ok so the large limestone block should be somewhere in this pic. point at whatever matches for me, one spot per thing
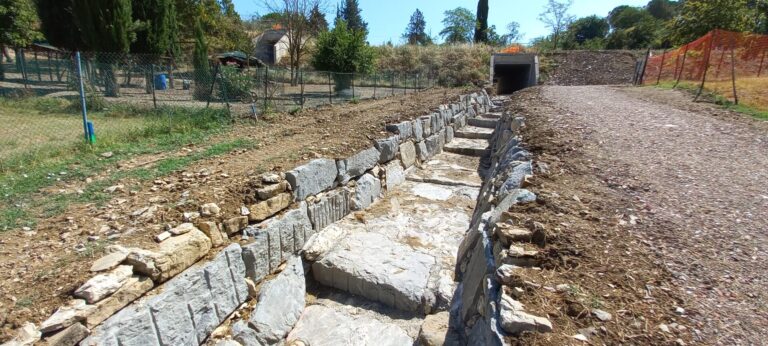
(281, 302)
(266, 209)
(132, 326)
(367, 190)
(102, 285)
(256, 255)
(395, 174)
(356, 165)
(132, 289)
(179, 253)
(404, 130)
(323, 326)
(421, 151)
(332, 207)
(315, 177)
(418, 130)
(388, 148)
(408, 154)
(516, 321)
(372, 266)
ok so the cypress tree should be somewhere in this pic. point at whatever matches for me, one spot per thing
(481, 30)
(58, 25)
(317, 21)
(155, 33)
(200, 62)
(350, 12)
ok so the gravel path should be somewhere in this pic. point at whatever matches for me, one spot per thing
(702, 180)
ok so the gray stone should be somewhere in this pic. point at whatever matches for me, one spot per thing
(132, 289)
(171, 315)
(418, 130)
(449, 134)
(404, 130)
(433, 145)
(281, 302)
(102, 285)
(372, 266)
(367, 190)
(436, 121)
(408, 154)
(109, 261)
(426, 125)
(434, 329)
(515, 321)
(395, 174)
(320, 325)
(270, 191)
(356, 165)
(243, 334)
(226, 280)
(515, 178)
(70, 336)
(132, 326)
(314, 177)
(421, 151)
(388, 148)
(330, 208)
(66, 316)
(473, 280)
(256, 255)
(602, 315)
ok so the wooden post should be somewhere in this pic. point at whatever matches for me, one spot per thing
(706, 69)
(392, 84)
(641, 78)
(762, 60)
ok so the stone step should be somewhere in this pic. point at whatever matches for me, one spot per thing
(479, 122)
(325, 326)
(468, 147)
(491, 115)
(473, 132)
(372, 266)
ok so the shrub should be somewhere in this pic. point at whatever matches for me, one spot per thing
(236, 84)
(450, 65)
(343, 50)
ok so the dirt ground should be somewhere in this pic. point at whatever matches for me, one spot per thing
(588, 68)
(39, 269)
(657, 211)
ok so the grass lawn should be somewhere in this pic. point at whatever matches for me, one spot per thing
(42, 143)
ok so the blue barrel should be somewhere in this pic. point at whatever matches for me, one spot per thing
(161, 82)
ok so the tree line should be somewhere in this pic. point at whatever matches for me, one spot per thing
(658, 24)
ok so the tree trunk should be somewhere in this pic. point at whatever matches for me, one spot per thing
(111, 86)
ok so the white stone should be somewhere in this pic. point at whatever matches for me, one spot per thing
(209, 209)
(102, 285)
(320, 325)
(65, 316)
(395, 174)
(432, 192)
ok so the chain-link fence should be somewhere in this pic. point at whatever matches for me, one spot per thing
(128, 92)
(732, 65)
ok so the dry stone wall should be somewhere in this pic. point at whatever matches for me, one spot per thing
(173, 296)
(490, 254)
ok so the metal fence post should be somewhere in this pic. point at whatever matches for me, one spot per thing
(353, 85)
(83, 105)
(375, 82)
(301, 77)
(330, 89)
(661, 67)
(154, 97)
(266, 87)
(22, 63)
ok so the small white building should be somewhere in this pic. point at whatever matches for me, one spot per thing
(271, 46)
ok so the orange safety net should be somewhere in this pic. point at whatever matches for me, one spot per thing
(733, 65)
(513, 49)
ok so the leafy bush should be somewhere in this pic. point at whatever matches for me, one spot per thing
(236, 84)
(343, 50)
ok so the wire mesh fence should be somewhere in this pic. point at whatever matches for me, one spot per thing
(129, 92)
(732, 65)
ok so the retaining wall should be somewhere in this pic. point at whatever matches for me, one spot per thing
(480, 311)
(175, 298)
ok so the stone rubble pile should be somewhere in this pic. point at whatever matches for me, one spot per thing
(165, 297)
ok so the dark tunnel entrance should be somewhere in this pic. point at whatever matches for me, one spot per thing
(512, 78)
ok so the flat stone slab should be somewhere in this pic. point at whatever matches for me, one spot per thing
(469, 147)
(449, 169)
(480, 122)
(473, 132)
(323, 326)
(373, 266)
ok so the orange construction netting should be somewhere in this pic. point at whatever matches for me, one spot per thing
(733, 65)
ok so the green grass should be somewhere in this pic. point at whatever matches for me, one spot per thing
(133, 132)
(717, 99)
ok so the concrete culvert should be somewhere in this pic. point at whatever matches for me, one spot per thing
(513, 72)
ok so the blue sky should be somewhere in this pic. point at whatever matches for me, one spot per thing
(387, 19)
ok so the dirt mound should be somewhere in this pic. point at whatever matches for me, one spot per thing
(587, 68)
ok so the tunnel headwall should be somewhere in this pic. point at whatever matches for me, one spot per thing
(513, 72)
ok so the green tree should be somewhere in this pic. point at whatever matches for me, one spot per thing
(317, 21)
(513, 33)
(225, 30)
(351, 13)
(203, 78)
(588, 28)
(343, 50)
(459, 26)
(662, 9)
(481, 29)
(415, 33)
(556, 17)
(17, 25)
(698, 17)
(155, 33)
